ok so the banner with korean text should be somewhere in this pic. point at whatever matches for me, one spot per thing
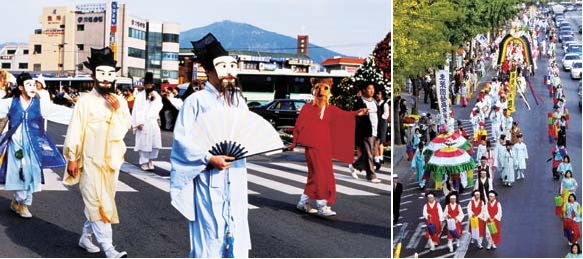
(512, 94)
(442, 80)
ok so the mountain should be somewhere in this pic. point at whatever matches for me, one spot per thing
(242, 36)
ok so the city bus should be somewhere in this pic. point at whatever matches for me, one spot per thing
(263, 87)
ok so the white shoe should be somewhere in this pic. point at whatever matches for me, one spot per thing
(112, 253)
(494, 246)
(145, 167)
(86, 243)
(326, 211)
(24, 212)
(376, 180)
(523, 176)
(306, 207)
(353, 171)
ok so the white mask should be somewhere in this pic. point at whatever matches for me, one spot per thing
(226, 67)
(105, 74)
(30, 87)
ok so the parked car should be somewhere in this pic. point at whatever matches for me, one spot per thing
(568, 61)
(567, 43)
(565, 34)
(576, 69)
(280, 112)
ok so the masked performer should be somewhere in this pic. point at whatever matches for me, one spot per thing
(327, 132)
(94, 148)
(208, 190)
(145, 114)
(26, 148)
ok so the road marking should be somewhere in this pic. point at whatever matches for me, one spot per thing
(405, 209)
(163, 164)
(277, 186)
(302, 179)
(416, 238)
(345, 169)
(380, 186)
(54, 182)
(408, 195)
(405, 202)
(158, 181)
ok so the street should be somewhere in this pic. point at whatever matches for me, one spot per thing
(151, 227)
(529, 226)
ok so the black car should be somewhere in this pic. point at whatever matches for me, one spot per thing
(280, 112)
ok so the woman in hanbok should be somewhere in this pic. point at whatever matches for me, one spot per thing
(455, 215)
(418, 163)
(493, 214)
(565, 166)
(568, 186)
(571, 219)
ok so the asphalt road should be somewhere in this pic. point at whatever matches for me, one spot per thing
(529, 226)
(151, 227)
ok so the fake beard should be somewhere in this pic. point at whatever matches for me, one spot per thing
(230, 91)
(104, 88)
(148, 91)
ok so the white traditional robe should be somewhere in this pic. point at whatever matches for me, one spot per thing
(508, 163)
(95, 139)
(521, 155)
(146, 112)
(200, 193)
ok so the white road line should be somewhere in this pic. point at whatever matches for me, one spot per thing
(345, 169)
(274, 185)
(156, 180)
(302, 179)
(416, 238)
(408, 195)
(163, 164)
(54, 182)
(380, 186)
(405, 202)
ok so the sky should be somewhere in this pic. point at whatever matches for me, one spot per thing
(347, 26)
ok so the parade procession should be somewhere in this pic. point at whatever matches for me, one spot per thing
(225, 129)
(492, 141)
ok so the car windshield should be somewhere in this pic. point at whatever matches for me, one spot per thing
(577, 65)
(299, 105)
(572, 57)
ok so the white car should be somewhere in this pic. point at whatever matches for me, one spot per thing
(576, 69)
(568, 61)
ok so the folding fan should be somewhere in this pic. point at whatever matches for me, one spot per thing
(236, 133)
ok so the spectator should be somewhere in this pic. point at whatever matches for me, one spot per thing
(367, 131)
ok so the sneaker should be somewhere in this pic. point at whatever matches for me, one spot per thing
(86, 243)
(493, 246)
(24, 212)
(326, 211)
(376, 180)
(112, 253)
(353, 171)
(306, 207)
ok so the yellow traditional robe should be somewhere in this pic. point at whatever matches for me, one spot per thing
(95, 139)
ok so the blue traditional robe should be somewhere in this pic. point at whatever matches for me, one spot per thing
(26, 133)
(202, 194)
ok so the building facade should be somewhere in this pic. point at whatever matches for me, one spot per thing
(14, 58)
(342, 65)
(66, 37)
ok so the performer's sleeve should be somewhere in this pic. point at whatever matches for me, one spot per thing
(121, 121)
(137, 112)
(55, 113)
(299, 125)
(460, 216)
(5, 106)
(155, 107)
(342, 133)
(72, 149)
(187, 159)
(441, 214)
(498, 215)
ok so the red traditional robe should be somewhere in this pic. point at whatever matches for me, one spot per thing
(492, 213)
(476, 208)
(331, 137)
(435, 219)
(453, 212)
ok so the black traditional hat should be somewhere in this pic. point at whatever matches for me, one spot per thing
(149, 78)
(21, 78)
(100, 57)
(207, 49)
